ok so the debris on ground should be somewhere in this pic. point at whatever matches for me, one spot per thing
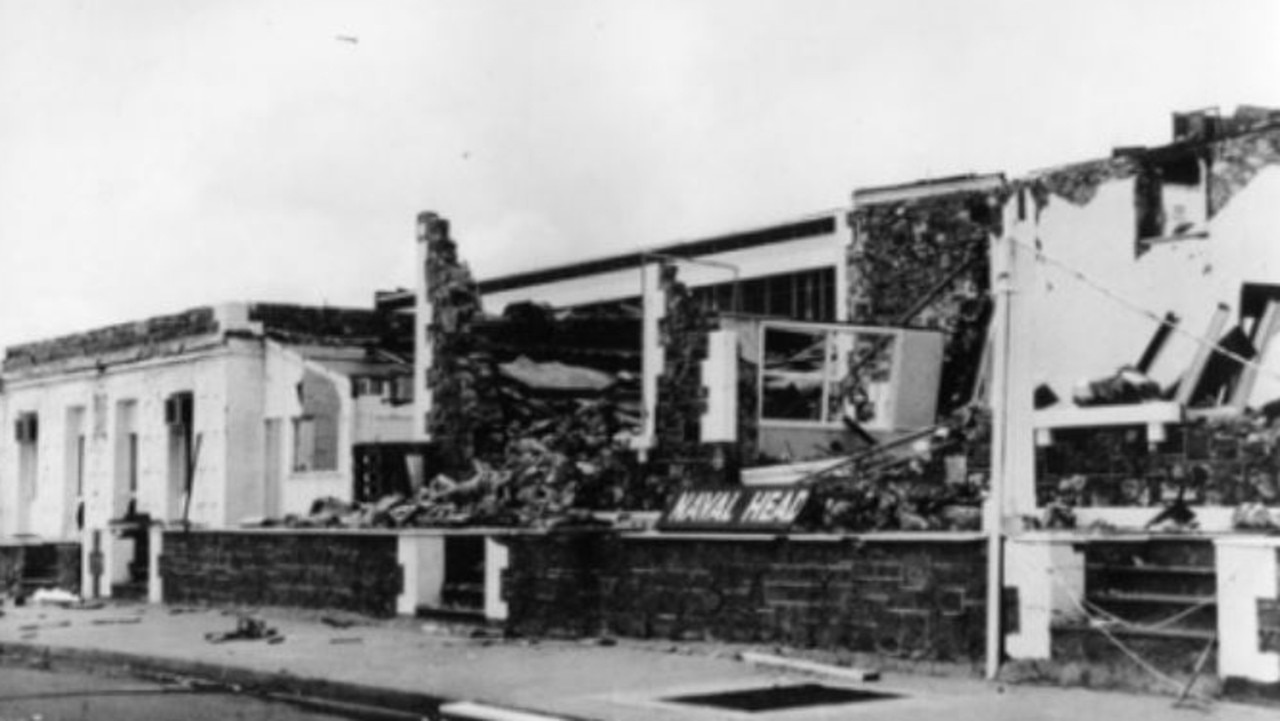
(116, 621)
(55, 597)
(248, 628)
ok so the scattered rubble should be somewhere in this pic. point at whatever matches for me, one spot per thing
(929, 485)
(248, 628)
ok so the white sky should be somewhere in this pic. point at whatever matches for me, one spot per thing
(162, 154)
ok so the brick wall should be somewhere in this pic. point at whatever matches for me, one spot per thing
(344, 571)
(56, 564)
(1225, 462)
(907, 599)
(923, 262)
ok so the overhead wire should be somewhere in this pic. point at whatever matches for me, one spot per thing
(1143, 311)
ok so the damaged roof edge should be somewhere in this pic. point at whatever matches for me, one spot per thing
(196, 328)
(969, 183)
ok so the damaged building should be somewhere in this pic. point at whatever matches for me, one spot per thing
(206, 417)
(968, 412)
(1140, 389)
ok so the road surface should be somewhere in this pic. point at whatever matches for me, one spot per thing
(34, 695)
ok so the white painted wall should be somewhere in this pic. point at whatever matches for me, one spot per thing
(284, 369)
(1079, 333)
(378, 421)
(1247, 572)
(205, 374)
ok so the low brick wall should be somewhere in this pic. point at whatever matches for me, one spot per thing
(51, 564)
(303, 569)
(921, 598)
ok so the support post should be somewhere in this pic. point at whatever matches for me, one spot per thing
(1003, 264)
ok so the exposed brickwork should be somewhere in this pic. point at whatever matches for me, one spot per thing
(461, 376)
(326, 325)
(918, 600)
(1223, 463)
(145, 337)
(903, 251)
(682, 398)
(353, 572)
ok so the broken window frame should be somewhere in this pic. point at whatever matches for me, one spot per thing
(864, 389)
(1158, 173)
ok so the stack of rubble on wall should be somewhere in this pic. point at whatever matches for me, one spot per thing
(153, 337)
(681, 458)
(924, 262)
(460, 377)
(529, 412)
(937, 483)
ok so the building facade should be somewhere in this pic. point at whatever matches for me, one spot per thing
(211, 416)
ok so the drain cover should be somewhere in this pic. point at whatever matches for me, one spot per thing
(776, 698)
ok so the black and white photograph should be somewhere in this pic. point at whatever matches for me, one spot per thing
(639, 360)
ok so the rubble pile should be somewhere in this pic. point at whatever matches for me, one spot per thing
(937, 483)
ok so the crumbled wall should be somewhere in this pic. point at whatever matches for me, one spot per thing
(144, 339)
(903, 250)
(1236, 161)
(460, 378)
(680, 456)
(1220, 463)
(321, 404)
(315, 325)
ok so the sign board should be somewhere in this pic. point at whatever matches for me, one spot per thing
(735, 509)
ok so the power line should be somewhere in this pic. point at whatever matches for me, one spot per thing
(1137, 308)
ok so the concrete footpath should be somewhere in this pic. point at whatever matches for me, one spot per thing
(415, 666)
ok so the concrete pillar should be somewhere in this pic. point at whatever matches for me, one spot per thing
(1047, 572)
(421, 558)
(1248, 571)
(655, 307)
(496, 559)
(155, 582)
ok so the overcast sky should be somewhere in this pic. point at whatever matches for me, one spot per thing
(157, 155)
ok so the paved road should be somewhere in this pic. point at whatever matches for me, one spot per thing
(32, 695)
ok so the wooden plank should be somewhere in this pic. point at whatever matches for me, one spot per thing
(1204, 350)
(796, 664)
(1268, 324)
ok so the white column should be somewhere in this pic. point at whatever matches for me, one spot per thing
(655, 307)
(155, 582)
(1247, 571)
(496, 559)
(1048, 573)
(421, 560)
